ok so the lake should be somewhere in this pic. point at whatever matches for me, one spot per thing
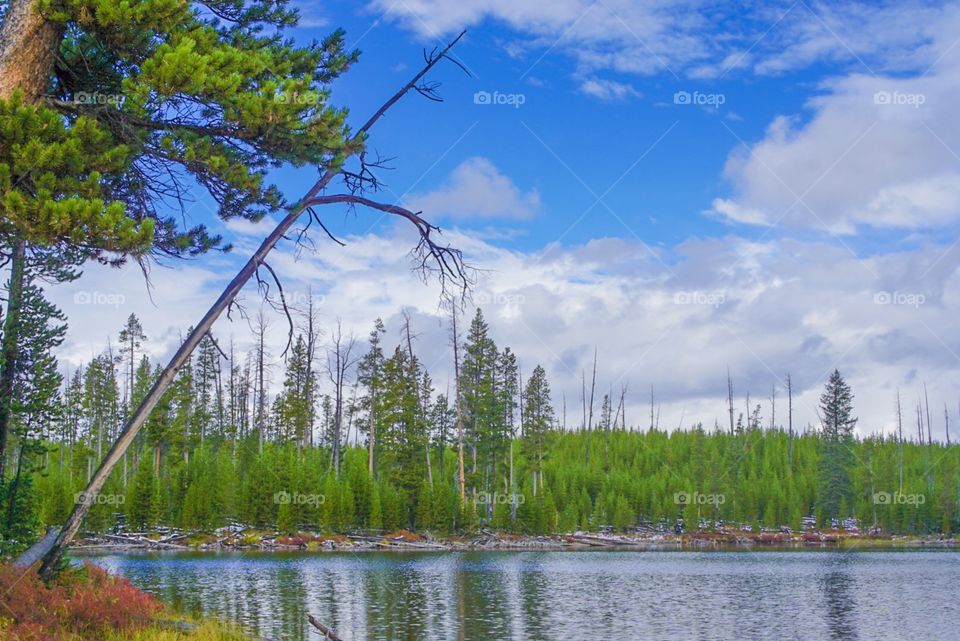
(602, 595)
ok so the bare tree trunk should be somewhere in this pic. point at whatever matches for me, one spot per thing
(926, 400)
(593, 387)
(372, 427)
(563, 412)
(28, 47)
(311, 355)
(261, 391)
(459, 403)
(623, 405)
(651, 406)
(583, 400)
(789, 424)
(946, 423)
(11, 331)
(583, 418)
(730, 399)
(773, 407)
(900, 439)
(337, 371)
(226, 298)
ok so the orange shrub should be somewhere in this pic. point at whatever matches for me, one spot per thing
(81, 604)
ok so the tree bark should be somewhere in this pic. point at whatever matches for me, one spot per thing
(11, 326)
(37, 550)
(28, 48)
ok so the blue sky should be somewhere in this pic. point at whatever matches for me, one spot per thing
(663, 160)
(803, 217)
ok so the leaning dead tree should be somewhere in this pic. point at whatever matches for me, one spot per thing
(431, 256)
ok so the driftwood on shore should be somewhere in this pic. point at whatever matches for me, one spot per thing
(166, 542)
(238, 537)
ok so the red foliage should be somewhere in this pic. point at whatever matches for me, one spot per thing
(81, 604)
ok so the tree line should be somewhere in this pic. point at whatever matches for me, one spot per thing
(358, 437)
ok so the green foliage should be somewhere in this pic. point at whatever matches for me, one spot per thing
(204, 474)
(153, 97)
(50, 181)
(836, 454)
(20, 519)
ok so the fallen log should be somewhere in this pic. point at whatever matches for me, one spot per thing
(327, 632)
(38, 550)
(593, 541)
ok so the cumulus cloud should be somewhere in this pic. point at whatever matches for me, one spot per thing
(700, 39)
(763, 309)
(876, 151)
(476, 190)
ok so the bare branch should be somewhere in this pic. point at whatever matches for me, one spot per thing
(431, 61)
(446, 261)
(283, 304)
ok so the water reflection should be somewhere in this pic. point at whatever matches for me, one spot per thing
(840, 600)
(565, 595)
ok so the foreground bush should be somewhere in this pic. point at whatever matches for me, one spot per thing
(82, 604)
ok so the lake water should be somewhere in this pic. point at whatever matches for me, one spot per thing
(597, 595)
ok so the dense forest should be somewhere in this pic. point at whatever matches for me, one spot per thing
(357, 437)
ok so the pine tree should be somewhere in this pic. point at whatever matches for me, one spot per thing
(131, 339)
(294, 402)
(538, 418)
(836, 457)
(483, 421)
(29, 321)
(208, 409)
(101, 402)
(370, 375)
(73, 171)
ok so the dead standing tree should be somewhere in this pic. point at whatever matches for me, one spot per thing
(432, 257)
(340, 361)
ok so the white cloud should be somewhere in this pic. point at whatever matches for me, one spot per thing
(608, 90)
(475, 191)
(760, 308)
(881, 152)
(697, 38)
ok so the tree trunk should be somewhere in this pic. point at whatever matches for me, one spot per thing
(11, 326)
(790, 424)
(459, 407)
(28, 48)
(371, 442)
(160, 386)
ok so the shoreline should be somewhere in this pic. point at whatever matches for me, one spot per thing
(403, 541)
